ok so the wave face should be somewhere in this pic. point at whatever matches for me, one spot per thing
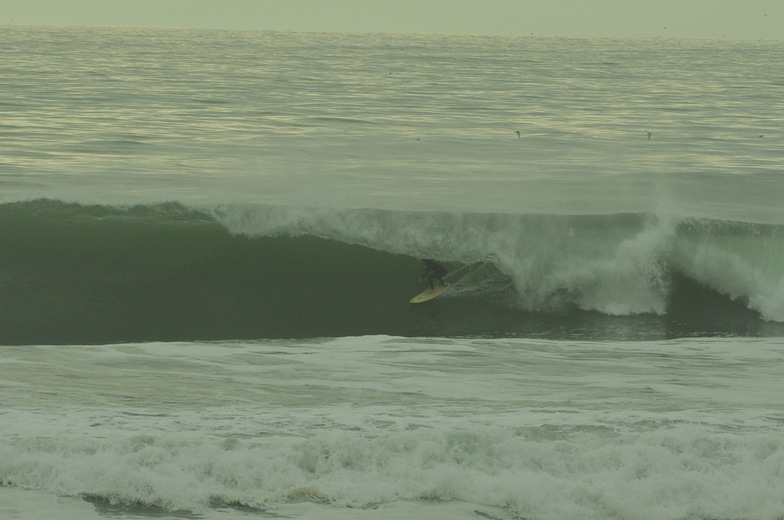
(73, 273)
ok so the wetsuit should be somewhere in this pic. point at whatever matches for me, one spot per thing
(433, 271)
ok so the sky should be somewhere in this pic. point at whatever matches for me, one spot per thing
(732, 19)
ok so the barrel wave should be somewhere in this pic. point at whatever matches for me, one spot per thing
(75, 273)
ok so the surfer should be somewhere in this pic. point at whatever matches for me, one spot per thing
(433, 271)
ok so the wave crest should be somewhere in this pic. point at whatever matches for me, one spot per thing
(74, 273)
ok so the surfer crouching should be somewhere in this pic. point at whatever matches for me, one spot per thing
(433, 271)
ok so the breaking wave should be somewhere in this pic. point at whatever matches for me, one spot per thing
(89, 274)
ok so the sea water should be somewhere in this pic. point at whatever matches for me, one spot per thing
(209, 240)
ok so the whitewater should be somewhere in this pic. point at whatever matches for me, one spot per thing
(208, 240)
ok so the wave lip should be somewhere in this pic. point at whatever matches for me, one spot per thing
(93, 274)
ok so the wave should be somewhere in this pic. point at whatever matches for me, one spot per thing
(73, 273)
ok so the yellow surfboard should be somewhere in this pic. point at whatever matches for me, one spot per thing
(428, 294)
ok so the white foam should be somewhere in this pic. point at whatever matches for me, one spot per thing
(537, 472)
(533, 429)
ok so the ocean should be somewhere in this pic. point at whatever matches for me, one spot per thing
(208, 241)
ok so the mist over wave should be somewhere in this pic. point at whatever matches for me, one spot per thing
(91, 274)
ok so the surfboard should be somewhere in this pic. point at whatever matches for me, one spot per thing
(428, 295)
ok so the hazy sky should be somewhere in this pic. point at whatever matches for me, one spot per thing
(745, 19)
